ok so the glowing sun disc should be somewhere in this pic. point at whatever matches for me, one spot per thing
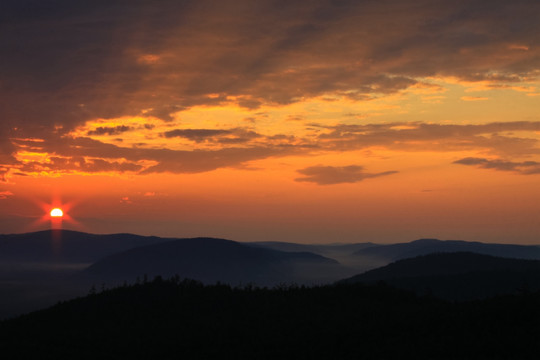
(57, 212)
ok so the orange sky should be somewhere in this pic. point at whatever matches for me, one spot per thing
(306, 121)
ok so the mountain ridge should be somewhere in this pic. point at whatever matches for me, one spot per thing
(173, 318)
(208, 260)
(393, 252)
(457, 276)
(67, 245)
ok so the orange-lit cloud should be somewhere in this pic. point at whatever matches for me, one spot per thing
(126, 200)
(5, 194)
(148, 59)
(474, 98)
(248, 60)
(86, 155)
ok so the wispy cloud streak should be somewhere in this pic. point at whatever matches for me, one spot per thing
(524, 167)
(330, 175)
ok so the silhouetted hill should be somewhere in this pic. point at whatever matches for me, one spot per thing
(320, 249)
(67, 246)
(38, 269)
(210, 260)
(395, 252)
(344, 253)
(186, 320)
(458, 276)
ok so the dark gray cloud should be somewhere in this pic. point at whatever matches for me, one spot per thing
(207, 160)
(196, 135)
(110, 130)
(242, 145)
(3, 174)
(524, 167)
(80, 164)
(85, 154)
(240, 136)
(230, 136)
(496, 137)
(164, 112)
(330, 175)
(66, 62)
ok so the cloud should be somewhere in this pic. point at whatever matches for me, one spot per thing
(110, 59)
(197, 161)
(237, 146)
(80, 164)
(474, 98)
(7, 151)
(231, 136)
(110, 130)
(5, 194)
(104, 61)
(330, 175)
(89, 155)
(525, 167)
(196, 135)
(126, 200)
(225, 137)
(434, 137)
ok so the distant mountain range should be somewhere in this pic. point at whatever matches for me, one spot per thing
(65, 246)
(215, 260)
(41, 268)
(38, 269)
(344, 253)
(457, 276)
(314, 248)
(393, 252)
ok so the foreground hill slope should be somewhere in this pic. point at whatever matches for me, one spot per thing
(184, 319)
(211, 260)
(458, 276)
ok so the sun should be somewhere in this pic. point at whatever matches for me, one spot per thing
(56, 212)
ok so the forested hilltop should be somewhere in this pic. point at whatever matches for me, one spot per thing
(185, 319)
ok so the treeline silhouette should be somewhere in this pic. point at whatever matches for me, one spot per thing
(184, 319)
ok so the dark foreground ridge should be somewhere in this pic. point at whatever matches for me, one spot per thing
(186, 319)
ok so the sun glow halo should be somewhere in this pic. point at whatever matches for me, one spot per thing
(56, 212)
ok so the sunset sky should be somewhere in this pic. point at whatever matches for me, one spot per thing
(305, 121)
